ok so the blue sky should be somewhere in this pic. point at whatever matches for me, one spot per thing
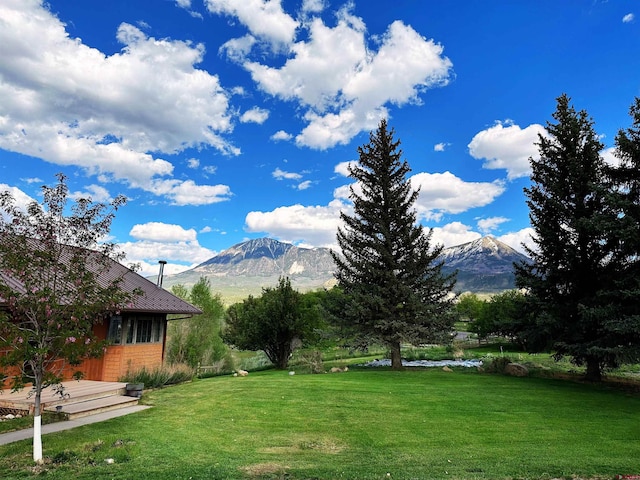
(225, 120)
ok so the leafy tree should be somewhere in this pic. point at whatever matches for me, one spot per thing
(52, 288)
(469, 306)
(388, 270)
(570, 211)
(501, 315)
(197, 340)
(277, 322)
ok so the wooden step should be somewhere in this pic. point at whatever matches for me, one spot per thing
(89, 407)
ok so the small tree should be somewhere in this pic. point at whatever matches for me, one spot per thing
(277, 322)
(52, 290)
(389, 272)
(501, 315)
(197, 340)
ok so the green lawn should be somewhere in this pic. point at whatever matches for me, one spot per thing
(363, 424)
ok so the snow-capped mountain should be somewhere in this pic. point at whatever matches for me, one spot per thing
(485, 265)
(245, 268)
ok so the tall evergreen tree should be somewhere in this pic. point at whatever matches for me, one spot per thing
(394, 288)
(622, 331)
(570, 211)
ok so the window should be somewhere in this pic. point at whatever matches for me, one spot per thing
(115, 330)
(143, 330)
(136, 329)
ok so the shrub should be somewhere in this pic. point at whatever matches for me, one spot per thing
(497, 365)
(311, 360)
(160, 376)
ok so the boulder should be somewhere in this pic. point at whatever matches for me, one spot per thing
(446, 369)
(516, 370)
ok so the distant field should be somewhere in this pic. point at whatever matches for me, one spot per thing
(363, 424)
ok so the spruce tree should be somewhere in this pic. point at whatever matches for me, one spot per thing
(622, 329)
(571, 213)
(394, 288)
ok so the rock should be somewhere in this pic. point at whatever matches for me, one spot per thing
(516, 370)
(292, 373)
(243, 373)
(10, 416)
(446, 369)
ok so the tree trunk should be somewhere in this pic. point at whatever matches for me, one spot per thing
(396, 358)
(594, 373)
(37, 427)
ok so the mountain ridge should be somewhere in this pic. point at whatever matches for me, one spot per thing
(484, 266)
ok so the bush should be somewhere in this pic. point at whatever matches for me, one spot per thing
(311, 361)
(497, 365)
(160, 376)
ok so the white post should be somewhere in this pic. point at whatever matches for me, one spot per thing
(37, 437)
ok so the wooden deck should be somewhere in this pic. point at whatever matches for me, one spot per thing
(75, 392)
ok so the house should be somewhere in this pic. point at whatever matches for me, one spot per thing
(137, 334)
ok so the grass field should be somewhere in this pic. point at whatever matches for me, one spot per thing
(363, 424)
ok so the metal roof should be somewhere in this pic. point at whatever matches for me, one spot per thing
(153, 299)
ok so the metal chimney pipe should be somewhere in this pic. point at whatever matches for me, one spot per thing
(161, 274)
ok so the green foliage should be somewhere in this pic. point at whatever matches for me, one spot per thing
(279, 321)
(469, 306)
(197, 340)
(53, 284)
(502, 315)
(393, 286)
(583, 285)
(159, 377)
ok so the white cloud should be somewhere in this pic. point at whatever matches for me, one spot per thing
(70, 104)
(163, 241)
(312, 6)
(255, 115)
(452, 234)
(97, 193)
(486, 225)
(440, 147)
(344, 85)
(237, 49)
(279, 174)
(507, 146)
(193, 163)
(186, 5)
(32, 180)
(442, 193)
(315, 225)
(516, 239)
(180, 255)
(609, 156)
(628, 18)
(281, 135)
(210, 169)
(188, 193)
(20, 199)
(206, 229)
(305, 185)
(343, 168)
(162, 232)
(263, 18)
